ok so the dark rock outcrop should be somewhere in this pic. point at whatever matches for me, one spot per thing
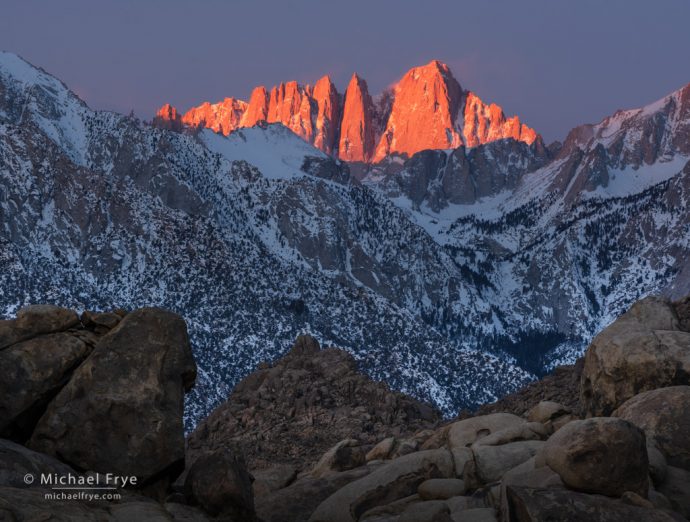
(664, 415)
(304, 404)
(330, 445)
(643, 350)
(129, 394)
(94, 397)
(538, 505)
(220, 483)
(600, 455)
(36, 320)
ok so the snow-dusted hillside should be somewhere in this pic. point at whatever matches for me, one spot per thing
(128, 215)
(565, 239)
(455, 275)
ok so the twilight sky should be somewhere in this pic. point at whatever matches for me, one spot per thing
(556, 64)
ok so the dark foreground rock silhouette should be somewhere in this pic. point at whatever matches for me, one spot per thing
(309, 438)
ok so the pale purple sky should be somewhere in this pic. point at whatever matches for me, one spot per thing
(555, 64)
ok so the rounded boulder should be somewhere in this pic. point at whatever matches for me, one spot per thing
(600, 455)
(664, 415)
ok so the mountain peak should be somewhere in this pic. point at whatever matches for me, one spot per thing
(437, 65)
(357, 137)
(168, 118)
(427, 109)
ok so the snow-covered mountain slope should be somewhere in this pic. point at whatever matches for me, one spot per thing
(455, 275)
(123, 214)
(566, 239)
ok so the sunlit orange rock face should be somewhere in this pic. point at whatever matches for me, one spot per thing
(327, 115)
(357, 133)
(290, 104)
(485, 123)
(168, 118)
(425, 106)
(223, 117)
(257, 109)
(429, 110)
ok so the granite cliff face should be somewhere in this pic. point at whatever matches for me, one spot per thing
(427, 109)
(223, 117)
(357, 128)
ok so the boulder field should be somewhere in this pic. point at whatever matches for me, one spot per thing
(308, 438)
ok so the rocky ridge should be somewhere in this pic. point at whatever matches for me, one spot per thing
(290, 412)
(427, 109)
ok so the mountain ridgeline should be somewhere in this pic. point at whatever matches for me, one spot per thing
(427, 109)
(450, 251)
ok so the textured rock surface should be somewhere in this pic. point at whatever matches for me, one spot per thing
(426, 102)
(441, 489)
(466, 432)
(587, 454)
(357, 131)
(257, 108)
(546, 411)
(35, 371)
(220, 483)
(304, 404)
(395, 480)
(664, 415)
(485, 123)
(327, 115)
(16, 462)
(121, 411)
(35, 320)
(642, 350)
(492, 462)
(223, 117)
(347, 454)
(299, 500)
(537, 505)
(168, 118)
(429, 111)
(676, 488)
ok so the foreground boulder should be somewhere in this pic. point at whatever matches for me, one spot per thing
(664, 415)
(347, 454)
(220, 483)
(676, 488)
(33, 372)
(539, 505)
(398, 479)
(36, 320)
(600, 455)
(37, 356)
(466, 432)
(16, 462)
(121, 411)
(300, 499)
(642, 350)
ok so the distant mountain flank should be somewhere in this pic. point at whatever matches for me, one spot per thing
(455, 274)
(427, 109)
